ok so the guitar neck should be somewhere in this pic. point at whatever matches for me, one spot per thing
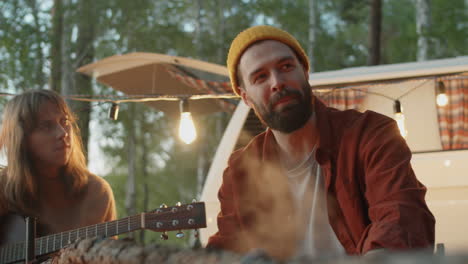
(51, 243)
(190, 216)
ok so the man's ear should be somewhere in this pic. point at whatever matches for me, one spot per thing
(244, 96)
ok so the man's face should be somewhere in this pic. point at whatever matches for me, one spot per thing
(274, 84)
(49, 142)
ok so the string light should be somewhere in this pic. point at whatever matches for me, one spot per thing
(187, 131)
(187, 128)
(400, 118)
(441, 99)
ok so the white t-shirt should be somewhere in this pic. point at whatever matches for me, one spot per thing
(308, 189)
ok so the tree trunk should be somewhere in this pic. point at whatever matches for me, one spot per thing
(39, 78)
(67, 82)
(374, 32)
(201, 132)
(144, 168)
(423, 23)
(130, 194)
(198, 29)
(221, 33)
(312, 34)
(85, 55)
(56, 47)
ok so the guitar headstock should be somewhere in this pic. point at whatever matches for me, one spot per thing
(178, 217)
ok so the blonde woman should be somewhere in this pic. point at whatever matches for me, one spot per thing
(46, 174)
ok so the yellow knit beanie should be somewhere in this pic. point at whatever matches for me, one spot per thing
(254, 34)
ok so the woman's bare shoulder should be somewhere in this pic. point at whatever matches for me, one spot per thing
(98, 200)
(98, 188)
(96, 183)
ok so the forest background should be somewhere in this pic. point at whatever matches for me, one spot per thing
(43, 42)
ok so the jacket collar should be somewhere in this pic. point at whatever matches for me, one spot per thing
(323, 122)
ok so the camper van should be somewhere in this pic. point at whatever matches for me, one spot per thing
(432, 132)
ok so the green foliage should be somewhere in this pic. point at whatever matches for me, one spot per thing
(449, 28)
(399, 36)
(23, 38)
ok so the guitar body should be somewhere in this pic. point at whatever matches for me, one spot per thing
(12, 229)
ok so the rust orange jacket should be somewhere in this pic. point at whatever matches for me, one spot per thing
(373, 197)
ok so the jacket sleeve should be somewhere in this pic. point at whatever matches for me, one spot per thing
(228, 236)
(400, 218)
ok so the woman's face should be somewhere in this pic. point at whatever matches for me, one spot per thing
(49, 142)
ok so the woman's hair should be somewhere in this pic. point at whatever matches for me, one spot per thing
(19, 185)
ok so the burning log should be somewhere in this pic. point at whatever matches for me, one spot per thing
(125, 251)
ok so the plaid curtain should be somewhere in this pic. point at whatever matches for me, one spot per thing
(453, 118)
(343, 99)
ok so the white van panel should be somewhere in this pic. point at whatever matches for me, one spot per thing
(215, 174)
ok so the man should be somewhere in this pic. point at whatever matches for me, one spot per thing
(46, 175)
(318, 182)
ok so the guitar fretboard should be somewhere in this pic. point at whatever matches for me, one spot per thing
(178, 217)
(48, 244)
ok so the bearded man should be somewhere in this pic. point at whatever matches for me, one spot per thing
(319, 182)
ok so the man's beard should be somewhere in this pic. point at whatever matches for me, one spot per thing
(292, 116)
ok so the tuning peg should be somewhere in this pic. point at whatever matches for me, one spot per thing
(159, 209)
(178, 204)
(180, 234)
(194, 200)
(164, 236)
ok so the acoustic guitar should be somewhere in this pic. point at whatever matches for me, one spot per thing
(179, 217)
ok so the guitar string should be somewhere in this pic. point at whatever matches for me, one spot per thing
(131, 223)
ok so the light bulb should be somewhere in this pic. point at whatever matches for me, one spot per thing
(400, 119)
(187, 130)
(442, 99)
(114, 111)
